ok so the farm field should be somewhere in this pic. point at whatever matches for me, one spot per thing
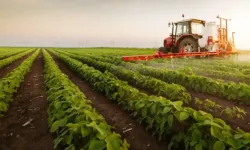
(88, 98)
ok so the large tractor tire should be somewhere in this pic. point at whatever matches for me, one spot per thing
(163, 49)
(189, 45)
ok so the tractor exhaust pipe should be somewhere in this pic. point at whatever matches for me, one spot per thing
(233, 37)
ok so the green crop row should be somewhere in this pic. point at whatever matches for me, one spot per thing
(9, 60)
(201, 69)
(213, 65)
(230, 76)
(161, 90)
(238, 92)
(111, 51)
(194, 129)
(224, 63)
(9, 53)
(212, 107)
(207, 105)
(173, 92)
(218, 70)
(12, 81)
(229, 90)
(198, 67)
(71, 116)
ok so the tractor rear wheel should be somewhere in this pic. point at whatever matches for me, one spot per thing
(189, 45)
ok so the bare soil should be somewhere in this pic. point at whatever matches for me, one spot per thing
(29, 104)
(13, 65)
(137, 137)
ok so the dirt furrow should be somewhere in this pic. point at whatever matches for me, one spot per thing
(24, 126)
(13, 65)
(136, 135)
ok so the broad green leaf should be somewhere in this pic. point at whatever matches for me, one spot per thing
(125, 145)
(181, 115)
(234, 143)
(73, 127)
(85, 131)
(198, 146)
(113, 142)
(198, 117)
(177, 105)
(69, 137)
(97, 145)
(219, 145)
(70, 147)
(238, 136)
(196, 135)
(57, 124)
(170, 119)
(216, 132)
(57, 141)
(166, 110)
(153, 109)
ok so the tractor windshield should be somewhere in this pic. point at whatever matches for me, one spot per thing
(182, 28)
(197, 28)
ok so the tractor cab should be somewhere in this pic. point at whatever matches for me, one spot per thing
(189, 27)
(184, 36)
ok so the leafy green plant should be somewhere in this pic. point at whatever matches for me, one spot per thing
(10, 59)
(11, 52)
(198, 103)
(211, 105)
(71, 116)
(197, 83)
(207, 105)
(171, 91)
(194, 129)
(234, 112)
(12, 81)
(186, 70)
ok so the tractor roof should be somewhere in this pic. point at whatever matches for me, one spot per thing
(191, 20)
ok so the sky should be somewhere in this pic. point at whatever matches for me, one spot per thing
(126, 23)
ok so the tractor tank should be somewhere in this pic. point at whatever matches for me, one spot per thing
(210, 30)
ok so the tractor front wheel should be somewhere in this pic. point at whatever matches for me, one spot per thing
(163, 49)
(188, 45)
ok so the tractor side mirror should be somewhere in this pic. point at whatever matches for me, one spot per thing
(169, 24)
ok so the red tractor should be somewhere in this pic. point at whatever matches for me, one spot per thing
(184, 37)
(193, 38)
